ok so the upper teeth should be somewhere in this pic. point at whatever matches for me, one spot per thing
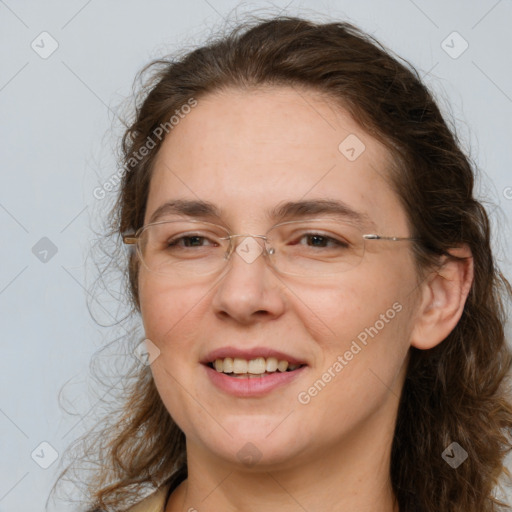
(255, 366)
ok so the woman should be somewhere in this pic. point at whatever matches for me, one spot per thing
(322, 311)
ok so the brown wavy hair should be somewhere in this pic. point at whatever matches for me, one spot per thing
(458, 390)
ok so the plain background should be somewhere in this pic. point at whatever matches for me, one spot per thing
(55, 119)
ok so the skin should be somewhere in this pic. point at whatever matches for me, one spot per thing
(247, 152)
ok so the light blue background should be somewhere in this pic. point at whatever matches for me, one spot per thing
(56, 148)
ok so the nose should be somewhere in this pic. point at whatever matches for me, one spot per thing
(248, 290)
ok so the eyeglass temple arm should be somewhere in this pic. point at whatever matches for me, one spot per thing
(129, 239)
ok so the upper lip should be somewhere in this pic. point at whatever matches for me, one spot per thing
(250, 353)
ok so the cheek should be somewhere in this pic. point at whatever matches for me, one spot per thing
(359, 371)
(335, 313)
(170, 313)
(362, 330)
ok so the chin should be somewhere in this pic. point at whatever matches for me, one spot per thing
(251, 456)
(254, 443)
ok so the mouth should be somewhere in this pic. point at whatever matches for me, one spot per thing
(252, 372)
(252, 368)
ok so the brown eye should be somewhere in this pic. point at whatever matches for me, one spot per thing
(189, 241)
(320, 240)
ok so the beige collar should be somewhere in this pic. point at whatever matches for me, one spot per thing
(155, 502)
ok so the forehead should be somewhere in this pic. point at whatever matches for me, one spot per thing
(249, 151)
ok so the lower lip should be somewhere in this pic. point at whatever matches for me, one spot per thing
(251, 387)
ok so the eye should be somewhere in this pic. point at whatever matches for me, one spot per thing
(191, 240)
(320, 240)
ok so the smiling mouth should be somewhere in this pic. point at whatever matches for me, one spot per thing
(253, 368)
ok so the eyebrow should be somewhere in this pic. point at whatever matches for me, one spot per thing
(285, 211)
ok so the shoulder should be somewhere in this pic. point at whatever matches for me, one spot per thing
(155, 502)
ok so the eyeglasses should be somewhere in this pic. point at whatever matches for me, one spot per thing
(308, 248)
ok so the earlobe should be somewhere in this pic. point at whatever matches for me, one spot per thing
(443, 296)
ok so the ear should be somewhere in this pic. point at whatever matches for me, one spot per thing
(443, 296)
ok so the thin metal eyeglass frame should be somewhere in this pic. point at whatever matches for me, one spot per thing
(132, 239)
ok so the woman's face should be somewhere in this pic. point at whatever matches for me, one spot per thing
(248, 153)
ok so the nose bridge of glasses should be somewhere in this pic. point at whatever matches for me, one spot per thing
(247, 246)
